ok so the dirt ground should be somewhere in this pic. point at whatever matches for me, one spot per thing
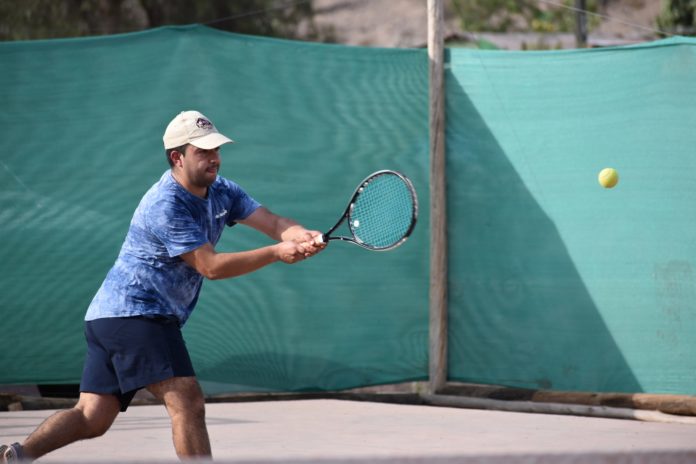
(403, 23)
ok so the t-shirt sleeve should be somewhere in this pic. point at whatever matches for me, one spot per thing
(242, 205)
(173, 224)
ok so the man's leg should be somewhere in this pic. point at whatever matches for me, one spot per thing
(91, 417)
(186, 406)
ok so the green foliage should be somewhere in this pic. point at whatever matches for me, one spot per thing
(39, 19)
(519, 15)
(678, 17)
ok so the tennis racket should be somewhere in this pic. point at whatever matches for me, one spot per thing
(380, 215)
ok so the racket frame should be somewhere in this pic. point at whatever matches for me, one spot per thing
(351, 203)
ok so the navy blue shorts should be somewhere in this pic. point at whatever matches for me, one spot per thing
(125, 354)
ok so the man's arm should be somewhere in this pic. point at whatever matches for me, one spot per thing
(214, 265)
(295, 244)
(278, 227)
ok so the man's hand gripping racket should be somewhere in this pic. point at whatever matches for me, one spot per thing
(380, 215)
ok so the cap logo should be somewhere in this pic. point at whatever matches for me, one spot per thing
(204, 123)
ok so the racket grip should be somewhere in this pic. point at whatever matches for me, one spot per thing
(320, 239)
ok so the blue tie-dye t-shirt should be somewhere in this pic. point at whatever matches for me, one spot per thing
(149, 277)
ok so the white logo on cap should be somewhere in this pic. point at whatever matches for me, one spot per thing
(204, 123)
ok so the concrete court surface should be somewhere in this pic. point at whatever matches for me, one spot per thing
(350, 431)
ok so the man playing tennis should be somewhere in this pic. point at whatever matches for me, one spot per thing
(133, 325)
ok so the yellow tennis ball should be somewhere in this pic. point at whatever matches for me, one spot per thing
(608, 178)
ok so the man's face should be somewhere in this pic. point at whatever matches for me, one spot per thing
(199, 166)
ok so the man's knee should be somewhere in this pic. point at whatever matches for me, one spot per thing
(196, 403)
(191, 404)
(96, 427)
(181, 396)
(98, 413)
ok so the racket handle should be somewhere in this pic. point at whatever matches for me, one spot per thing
(320, 239)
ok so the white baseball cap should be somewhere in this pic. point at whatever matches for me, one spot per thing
(194, 128)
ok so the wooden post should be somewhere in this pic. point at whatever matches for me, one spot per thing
(438, 217)
(580, 24)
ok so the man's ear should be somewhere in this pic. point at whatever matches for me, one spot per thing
(176, 156)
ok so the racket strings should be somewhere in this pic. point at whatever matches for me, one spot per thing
(383, 212)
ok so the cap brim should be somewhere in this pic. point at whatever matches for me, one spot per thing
(210, 141)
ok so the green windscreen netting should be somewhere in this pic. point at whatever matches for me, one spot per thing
(554, 282)
(82, 123)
